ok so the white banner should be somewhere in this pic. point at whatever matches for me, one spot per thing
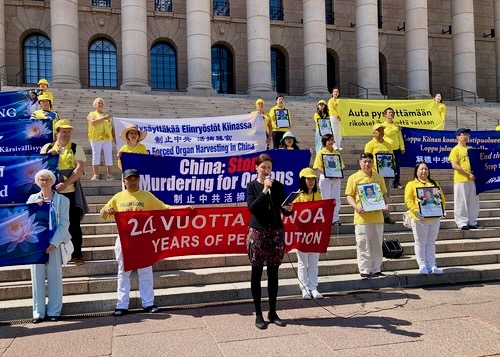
(199, 137)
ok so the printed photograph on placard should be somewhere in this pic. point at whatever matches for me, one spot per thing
(429, 202)
(324, 126)
(371, 197)
(332, 166)
(282, 118)
(385, 164)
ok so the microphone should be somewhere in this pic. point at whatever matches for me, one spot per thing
(269, 178)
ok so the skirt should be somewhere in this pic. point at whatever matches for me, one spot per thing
(265, 246)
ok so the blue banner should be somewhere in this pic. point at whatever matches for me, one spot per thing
(24, 234)
(213, 180)
(17, 175)
(433, 146)
(484, 165)
(14, 104)
(22, 137)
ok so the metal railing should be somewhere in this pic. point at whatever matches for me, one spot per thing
(397, 89)
(359, 89)
(18, 78)
(476, 119)
(453, 90)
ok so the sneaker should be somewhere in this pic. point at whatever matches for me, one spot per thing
(436, 270)
(474, 226)
(423, 270)
(53, 318)
(464, 228)
(110, 178)
(379, 274)
(152, 309)
(337, 223)
(306, 295)
(365, 276)
(95, 178)
(316, 294)
(120, 312)
(389, 220)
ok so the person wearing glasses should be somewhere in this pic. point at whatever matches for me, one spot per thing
(466, 207)
(368, 226)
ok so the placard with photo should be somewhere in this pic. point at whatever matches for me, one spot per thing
(371, 197)
(430, 202)
(324, 126)
(385, 164)
(282, 118)
(332, 166)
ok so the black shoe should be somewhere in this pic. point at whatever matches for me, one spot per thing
(120, 312)
(365, 276)
(474, 226)
(389, 220)
(465, 228)
(276, 320)
(37, 320)
(53, 318)
(260, 323)
(337, 223)
(379, 274)
(152, 309)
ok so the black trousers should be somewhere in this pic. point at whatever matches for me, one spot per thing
(277, 136)
(397, 160)
(74, 224)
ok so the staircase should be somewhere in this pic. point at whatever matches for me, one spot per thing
(465, 256)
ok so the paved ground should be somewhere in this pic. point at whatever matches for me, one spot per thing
(458, 320)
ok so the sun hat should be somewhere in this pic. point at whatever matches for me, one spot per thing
(288, 134)
(142, 133)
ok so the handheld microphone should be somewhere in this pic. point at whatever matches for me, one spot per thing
(269, 178)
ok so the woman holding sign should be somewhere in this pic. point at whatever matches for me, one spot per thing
(423, 196)
(322, 122)
(266, 237)
(53, 269)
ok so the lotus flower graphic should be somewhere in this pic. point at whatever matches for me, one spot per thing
(20, 230)
(36, 129)
(25, 172)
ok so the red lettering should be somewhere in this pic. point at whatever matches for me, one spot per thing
(238, 164)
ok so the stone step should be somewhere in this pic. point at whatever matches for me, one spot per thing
(224, 292)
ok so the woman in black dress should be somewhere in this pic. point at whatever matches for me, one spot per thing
(266, 237)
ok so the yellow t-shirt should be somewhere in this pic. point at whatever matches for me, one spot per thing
(442, 111)
(359, 178)
(374, 147)
(138, 149)
(461, 157)
(67, 160)
(102, 131)
(272, 117)
(333, 107)
(308, 197)
(411, 199)
(318, 160)
(133, 201)
(393, 136)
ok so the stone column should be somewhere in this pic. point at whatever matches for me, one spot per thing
(496, 11)
(463, 47)
(367, 49)
(258, 47)
(65, 43)
(315, 65)
(199, 46)
(417, 48)
(3, 70)
(134, 46)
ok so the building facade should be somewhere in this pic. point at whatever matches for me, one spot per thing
(367, 48)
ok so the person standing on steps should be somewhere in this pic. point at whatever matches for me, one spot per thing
(466, 206)
(333, 109)
(259, 107)
(266, 237)
(393, 136)
(281, 120)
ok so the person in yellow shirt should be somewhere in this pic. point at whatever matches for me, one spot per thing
(425, 230)
(330, 186)
(307, 269)
(321, 117)
(259, 108)
(466, 206)
(281, 120)
(438, 99)
(368, 226)
(132, 136)
(133, 199)
(101, 136)
(70, 166)
(43, 89)
(333, 109)
(379, 145)
(392, 134)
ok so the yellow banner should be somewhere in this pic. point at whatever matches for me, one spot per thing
(359, 115)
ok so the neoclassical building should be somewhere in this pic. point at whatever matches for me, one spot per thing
(367, 48)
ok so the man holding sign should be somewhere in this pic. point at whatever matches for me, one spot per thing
(133, 199)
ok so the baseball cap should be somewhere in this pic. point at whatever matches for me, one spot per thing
(307, 172)
(378, 126)
(461, 131)
(130, 172)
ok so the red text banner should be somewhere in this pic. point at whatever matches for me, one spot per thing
(149, 236)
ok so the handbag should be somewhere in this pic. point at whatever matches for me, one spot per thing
(392, 249)
(66, 250)
(407, 219)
